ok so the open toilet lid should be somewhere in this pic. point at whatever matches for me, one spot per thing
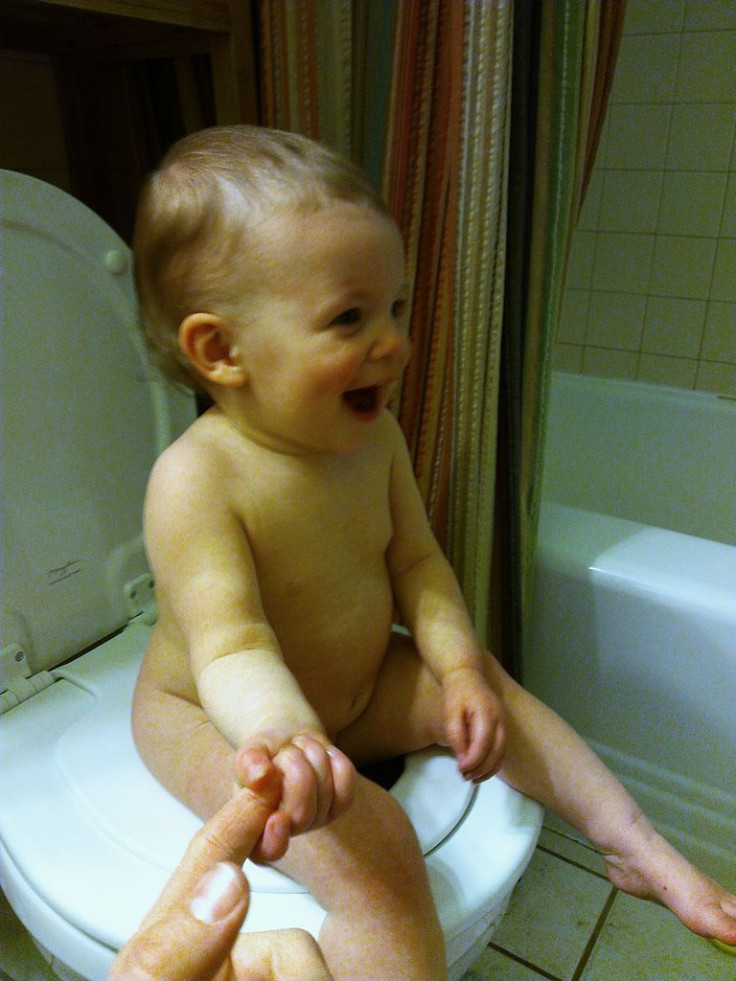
(84, 419)
(96, 836)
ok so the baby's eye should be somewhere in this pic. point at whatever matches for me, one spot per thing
(347, 317)
(399, 309)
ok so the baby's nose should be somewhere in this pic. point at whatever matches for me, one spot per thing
(392, 343)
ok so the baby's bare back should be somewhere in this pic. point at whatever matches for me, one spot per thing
(317, 530)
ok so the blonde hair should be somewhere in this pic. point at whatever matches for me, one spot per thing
(198, 214)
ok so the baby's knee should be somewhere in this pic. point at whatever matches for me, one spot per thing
(369, 850)
(297, 954)
(288, 953)
(393, 858)
(497, 677)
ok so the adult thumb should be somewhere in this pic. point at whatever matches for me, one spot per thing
(190, 943)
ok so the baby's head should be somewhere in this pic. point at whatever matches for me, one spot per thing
(197, 224)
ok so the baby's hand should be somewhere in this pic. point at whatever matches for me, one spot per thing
(317, 782)
(473, 723)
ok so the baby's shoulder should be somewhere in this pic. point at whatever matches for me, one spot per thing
(393, 440)
(195, 463)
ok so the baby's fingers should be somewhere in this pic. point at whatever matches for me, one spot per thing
(491, 762)
(316, 755)
(343, 781)
(300, 788)
(486, 747)
(478, 741)
(316, 795)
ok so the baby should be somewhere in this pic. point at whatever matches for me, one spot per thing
(285, 532)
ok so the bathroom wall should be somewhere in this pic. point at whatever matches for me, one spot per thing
(651, 287)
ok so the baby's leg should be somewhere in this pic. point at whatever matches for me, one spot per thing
(404, 713)
(183, 750)
(548, 761)
(365, 868)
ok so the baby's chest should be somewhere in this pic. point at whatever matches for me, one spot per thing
(320, 524)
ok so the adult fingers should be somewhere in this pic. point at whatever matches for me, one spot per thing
(229, 836)
(190, 942)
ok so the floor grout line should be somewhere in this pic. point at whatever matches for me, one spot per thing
(571, 861)
(524, 963)
(593, 939)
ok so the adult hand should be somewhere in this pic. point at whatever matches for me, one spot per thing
(192, 932)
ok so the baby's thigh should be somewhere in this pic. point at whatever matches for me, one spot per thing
(368, 854)
(183, 750)
(404, 713)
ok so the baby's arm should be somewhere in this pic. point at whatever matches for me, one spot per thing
(431, 603)
(210, 601)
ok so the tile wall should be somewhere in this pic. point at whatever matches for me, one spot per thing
(651, 287)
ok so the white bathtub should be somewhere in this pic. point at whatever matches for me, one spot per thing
(633, 629)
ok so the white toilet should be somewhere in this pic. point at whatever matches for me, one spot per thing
(87, 836)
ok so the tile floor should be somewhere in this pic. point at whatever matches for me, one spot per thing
(565, 923)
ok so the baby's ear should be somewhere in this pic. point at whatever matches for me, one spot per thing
(209, 345)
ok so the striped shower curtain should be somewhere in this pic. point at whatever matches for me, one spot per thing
(564, 56)
(420, 93)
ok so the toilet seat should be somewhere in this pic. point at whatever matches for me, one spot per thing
(88, 838)
(79, 842)
(98, 760)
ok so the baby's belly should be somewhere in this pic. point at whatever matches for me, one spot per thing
(337, 664)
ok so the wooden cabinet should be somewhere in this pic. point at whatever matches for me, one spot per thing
(131, 77)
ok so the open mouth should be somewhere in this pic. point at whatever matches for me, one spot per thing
(363, 401)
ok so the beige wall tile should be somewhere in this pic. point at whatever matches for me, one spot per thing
(573, 316)
(707, 68)
(582, 258)
(616, 320)
(637, 136)
(701, 136)
(630, 201)
(657, 369)
(714, 376)
(728, 220)
(719, 337)
(652, 58)
(704, 15)
(567, 357)
(661, 17)
(692, 203)
(682, 266)
(622, 262)
(674, 326)
(609, 364)
(592, 203)
(724, 273)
